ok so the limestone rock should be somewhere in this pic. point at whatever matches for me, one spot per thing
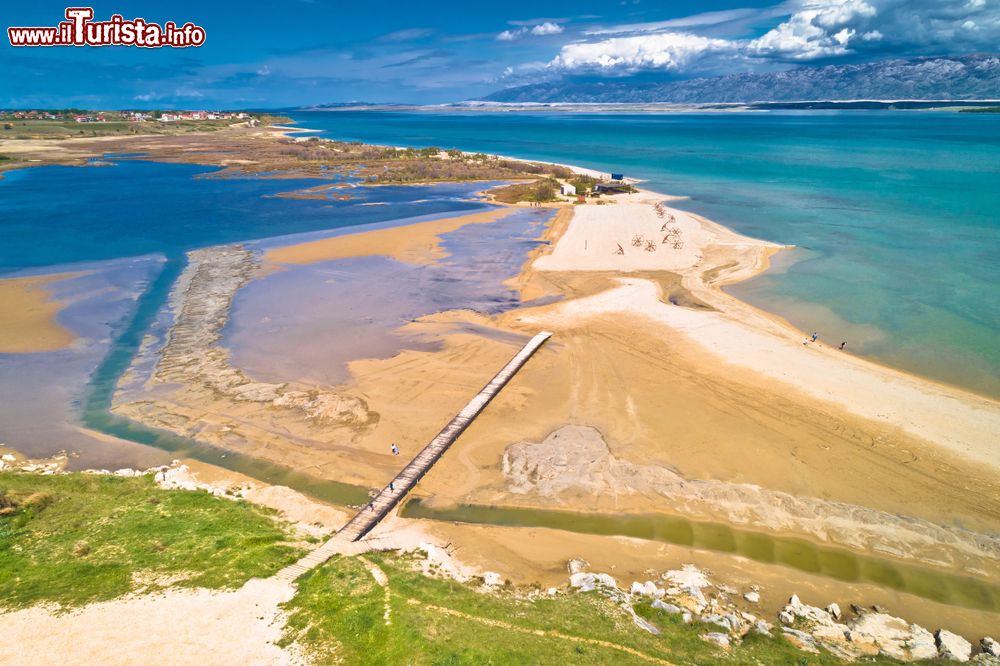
(722, 640)
(834, 611)
(752, 597)
(667, 608)
(800, 639)
(893, 637)
(586, 582)
(990, 646)
(952, 646)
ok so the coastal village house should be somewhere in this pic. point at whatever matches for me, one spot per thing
(567, 190)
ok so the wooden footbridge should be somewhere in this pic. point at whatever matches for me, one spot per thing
(369, 516)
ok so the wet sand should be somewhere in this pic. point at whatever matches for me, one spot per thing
(28, 315)
(415, 244)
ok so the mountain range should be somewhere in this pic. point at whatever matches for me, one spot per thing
(941, 78)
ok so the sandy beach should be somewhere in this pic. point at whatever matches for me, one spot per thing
(28, 315)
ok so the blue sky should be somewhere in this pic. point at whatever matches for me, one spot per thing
(268, 54)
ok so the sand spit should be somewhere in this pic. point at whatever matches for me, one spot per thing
(964, 423)
(28, 315)
(415, 244)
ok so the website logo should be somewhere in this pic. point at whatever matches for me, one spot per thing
(79, 29)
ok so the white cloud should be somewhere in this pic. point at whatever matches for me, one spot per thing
(667, 50)
(538, 30)
(807, 30)
(697, 20)
(816, 32)
(547, 28)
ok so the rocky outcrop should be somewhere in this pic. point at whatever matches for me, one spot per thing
(873, 633)
(577, 460)
(689, 593)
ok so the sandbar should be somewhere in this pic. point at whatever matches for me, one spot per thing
(418, 243)
(28, 315)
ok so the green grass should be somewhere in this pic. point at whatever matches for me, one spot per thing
(539, 191)
(338, 614)
(69, 129)
(76, 538)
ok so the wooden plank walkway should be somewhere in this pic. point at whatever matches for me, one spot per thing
(346, 541)
(384, 502)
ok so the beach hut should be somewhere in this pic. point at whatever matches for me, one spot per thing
(567, 190)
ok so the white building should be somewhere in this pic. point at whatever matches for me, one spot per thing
(567, 190)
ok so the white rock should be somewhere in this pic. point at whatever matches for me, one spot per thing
(586, 582)
(761, 627)
(637, 589)
(722, 640)
(800, 639)
(576, 566)
(990, 646)
(893, 637)
(752, 597)
(552, 591)
(687, 618)
(834, 611)
(667, 608)
(952, 646)
(8, 457)
(717, 620)
(492, 579)
(786, 617)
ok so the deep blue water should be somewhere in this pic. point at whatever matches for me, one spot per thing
(57, 215)
(895, 214)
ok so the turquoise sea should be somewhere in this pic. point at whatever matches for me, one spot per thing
(895, 215)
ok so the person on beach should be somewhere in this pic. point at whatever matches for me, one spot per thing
(814, 336)
(395, 450)
(842, 345)
(392, 488)
(371, 506)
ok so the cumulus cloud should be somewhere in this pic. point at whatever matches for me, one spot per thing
(667, 50)
(806, 30)
(538, 30)
(547, 28)
(815, 32)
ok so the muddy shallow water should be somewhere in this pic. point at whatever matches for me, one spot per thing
(798, 554)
